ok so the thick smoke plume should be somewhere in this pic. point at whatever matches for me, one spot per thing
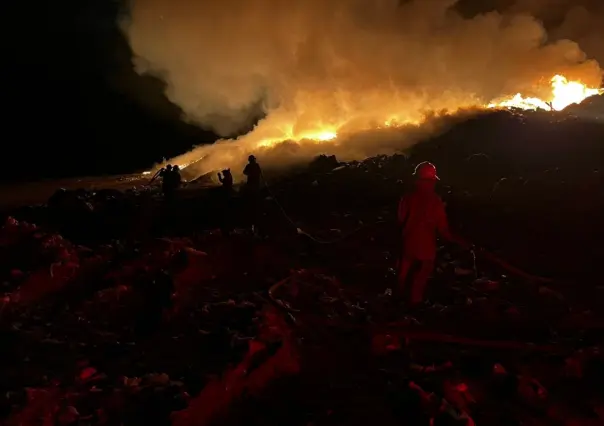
(355, 67)
(579, 20)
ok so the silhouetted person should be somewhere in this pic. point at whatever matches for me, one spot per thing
(226, 202)
(252, 189)
(171, 182)
(254, 173)
(165, 171)
(177, 177)
(421, 214)
(164, 174)
(226, 179)
(161, 173)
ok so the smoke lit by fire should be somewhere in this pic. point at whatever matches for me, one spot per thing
(563, 94)
(349, 77)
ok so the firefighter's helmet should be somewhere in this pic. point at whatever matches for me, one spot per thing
(426, 171)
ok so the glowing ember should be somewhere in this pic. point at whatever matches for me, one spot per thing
(322, 135)
(564, 93)
(523, 103)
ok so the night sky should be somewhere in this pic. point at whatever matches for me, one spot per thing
(73, 104)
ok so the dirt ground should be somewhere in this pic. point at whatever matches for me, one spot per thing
(121, 309)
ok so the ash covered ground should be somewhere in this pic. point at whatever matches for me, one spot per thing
(118, 309)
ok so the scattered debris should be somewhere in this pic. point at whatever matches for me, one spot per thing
(123, 324)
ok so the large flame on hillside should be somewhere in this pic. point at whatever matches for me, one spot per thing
(564, 93)
(321, 135)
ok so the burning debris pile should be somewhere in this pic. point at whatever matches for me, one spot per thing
(341, 138)
(125, 311)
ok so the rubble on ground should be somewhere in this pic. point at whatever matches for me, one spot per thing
(118, 310)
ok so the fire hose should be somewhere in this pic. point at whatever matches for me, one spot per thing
(155, 176)
(512, 269)
(477, 252)
(300, 231)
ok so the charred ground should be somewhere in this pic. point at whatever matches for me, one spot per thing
(329, 346)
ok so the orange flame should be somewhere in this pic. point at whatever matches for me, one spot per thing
(321, 135)
(564, 93)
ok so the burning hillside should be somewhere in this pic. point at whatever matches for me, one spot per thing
(563, 94)
(371, 77)
(343, 134)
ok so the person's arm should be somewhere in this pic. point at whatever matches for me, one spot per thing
(156, 175)
(403, 211)
(442, 224)
(246, 170)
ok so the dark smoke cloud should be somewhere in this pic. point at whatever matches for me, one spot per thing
(343, 65)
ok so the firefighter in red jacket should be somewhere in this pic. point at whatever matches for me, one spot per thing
(421, 214)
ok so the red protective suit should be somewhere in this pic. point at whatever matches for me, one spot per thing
(421, 215)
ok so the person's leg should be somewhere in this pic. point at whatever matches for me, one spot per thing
(420, 280)
(404, 269)
(254, 211)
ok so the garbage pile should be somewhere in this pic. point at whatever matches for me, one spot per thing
(149, 333)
